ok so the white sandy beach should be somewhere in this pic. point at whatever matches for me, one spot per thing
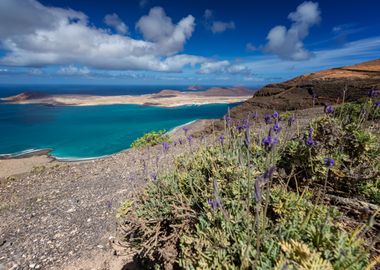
(165, 98)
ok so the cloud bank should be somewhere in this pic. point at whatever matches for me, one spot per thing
(288, 43)
(65, 36)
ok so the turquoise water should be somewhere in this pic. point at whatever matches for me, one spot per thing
(84, 132)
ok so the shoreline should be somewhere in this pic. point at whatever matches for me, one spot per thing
(164, 99)
(47, 151)
(21, 162)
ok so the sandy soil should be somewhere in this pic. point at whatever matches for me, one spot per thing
(9, 167)
(166, 98)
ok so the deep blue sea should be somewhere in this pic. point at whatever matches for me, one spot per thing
(90, 131)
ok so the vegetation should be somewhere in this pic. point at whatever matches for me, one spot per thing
(254, 202)
(151, 139)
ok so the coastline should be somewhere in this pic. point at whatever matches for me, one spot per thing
(26, 153)
(25, 161)
(164, 99)
(164, 102)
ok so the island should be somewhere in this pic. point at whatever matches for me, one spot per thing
(165, 98)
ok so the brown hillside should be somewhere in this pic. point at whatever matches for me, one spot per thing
(328, 86)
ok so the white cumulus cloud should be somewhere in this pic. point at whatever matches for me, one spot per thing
(65, 37)
(113, 20)
(214, 25)
(157, 27)
(72, 70)
(250, 47)
(288, 43)
(220, 27)
(225, 67)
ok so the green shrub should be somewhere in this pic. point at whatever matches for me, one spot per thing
(151, 139)
(356, 153)
(227, 205)
(357, 112)
(371, 190)
(173, 223)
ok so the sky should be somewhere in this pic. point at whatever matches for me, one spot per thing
(187, 42)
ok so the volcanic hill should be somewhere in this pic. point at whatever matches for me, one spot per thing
(327, 87)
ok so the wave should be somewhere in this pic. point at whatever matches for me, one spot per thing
(76, 159)
(26, 153)
(181, 126)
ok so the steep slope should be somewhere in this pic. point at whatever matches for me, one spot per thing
(327, 86)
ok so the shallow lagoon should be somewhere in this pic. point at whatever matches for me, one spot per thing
(93, 131)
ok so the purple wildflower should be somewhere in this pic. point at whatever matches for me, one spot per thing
(275, 115)
(269, 142)
(247, 139)
(239, 127)
(189, 139)
(258, 192)
(227, 120)
(109, 204)
(180, 141)
(221, 139)
(267, 119)
(276, 127)
(214, 203)
(153, 176)
(275, 141)
(242, 125)
(329, 109)
(377, 104)
(310, 141)
(185, 129)
(372, 93)
(329, 162)
(268, 173)
(262, 179)
(254, 115)
(291, 120)
(166, 146)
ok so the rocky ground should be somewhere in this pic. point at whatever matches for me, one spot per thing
(64, 216)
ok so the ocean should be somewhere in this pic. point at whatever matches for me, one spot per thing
(91, 131)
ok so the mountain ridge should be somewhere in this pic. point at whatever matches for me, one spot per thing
(328, 86)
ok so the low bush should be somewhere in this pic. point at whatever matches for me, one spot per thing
(230, 206)
(355, 151)
(358, 112)
(151, 139)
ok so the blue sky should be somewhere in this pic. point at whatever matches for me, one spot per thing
(219, 42)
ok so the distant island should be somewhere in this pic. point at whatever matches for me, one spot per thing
(165, 98)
